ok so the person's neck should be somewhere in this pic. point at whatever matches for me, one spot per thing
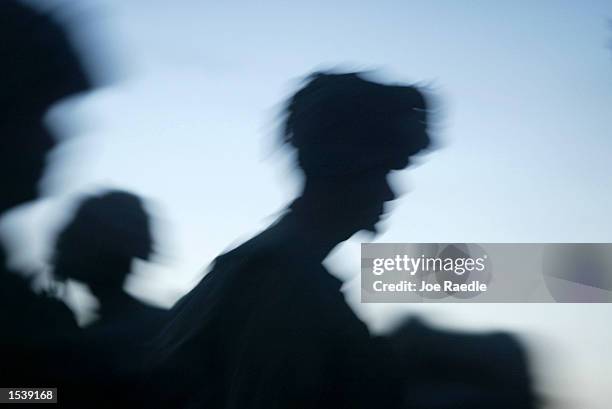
(316, 232)
(110, 299)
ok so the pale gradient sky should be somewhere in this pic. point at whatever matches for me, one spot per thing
(525, 91)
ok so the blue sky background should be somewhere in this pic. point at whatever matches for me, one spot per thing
(187, 118)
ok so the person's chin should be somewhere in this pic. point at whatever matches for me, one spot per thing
(372, 227)
(373, 230)
(368, 224)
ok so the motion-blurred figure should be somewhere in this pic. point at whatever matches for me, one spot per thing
(98, 247)
(39, 67)
(268, 327)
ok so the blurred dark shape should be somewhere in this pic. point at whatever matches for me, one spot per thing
(342, 124)
(459, 370)
(39, 68)
(268, 326)
(98, 247)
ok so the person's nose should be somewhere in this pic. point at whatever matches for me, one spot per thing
(389, 194)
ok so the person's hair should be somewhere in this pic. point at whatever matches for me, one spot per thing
(344, 123)
(40, 64)
(112, 226)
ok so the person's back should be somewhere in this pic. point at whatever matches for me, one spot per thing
(274, 314)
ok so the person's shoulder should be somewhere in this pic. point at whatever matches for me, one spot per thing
(264, 252)
(61, 317)
(34, 310)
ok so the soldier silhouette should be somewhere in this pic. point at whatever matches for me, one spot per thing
(268, 327)
(39, 68)
(98, 247)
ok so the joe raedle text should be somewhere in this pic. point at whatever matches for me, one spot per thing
(424, 286)
(402, 273)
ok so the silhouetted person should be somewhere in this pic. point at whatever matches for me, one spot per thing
(268, 326)
(39, 67)
(98, 247)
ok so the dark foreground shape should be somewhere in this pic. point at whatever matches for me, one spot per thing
(268, 327)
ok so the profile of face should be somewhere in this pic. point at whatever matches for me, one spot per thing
(373, 189)
(368, 197)
(25, 146)
(357, 202)
(349, 134)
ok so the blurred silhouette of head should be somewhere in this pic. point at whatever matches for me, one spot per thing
(100, 242)
(39, 67)
(349, 134)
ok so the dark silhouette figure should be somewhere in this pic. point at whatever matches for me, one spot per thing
(268, 327)
(98, 247)
(39, 67)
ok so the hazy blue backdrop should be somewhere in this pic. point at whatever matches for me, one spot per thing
(187, 117)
